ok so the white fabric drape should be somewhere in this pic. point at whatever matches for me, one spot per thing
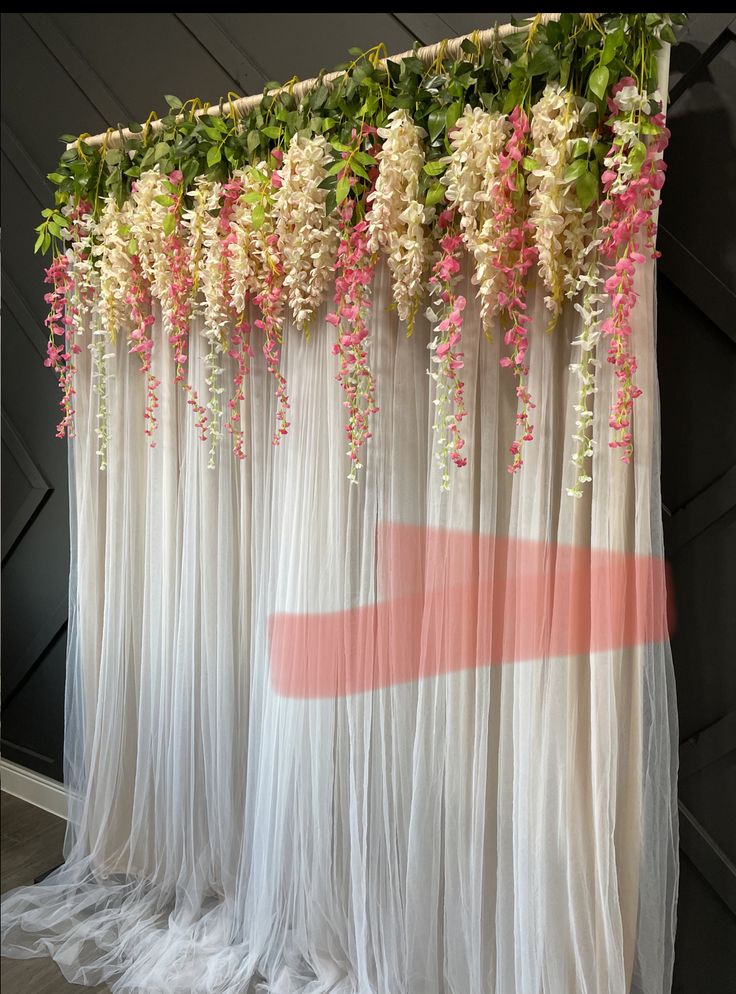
(484, 829)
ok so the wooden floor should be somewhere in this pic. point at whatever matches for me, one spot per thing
(31, 843)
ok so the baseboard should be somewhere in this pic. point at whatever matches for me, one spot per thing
(33, 787)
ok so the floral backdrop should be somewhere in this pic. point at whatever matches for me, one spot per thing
(538, 156)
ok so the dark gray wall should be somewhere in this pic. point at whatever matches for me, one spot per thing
(80, 72)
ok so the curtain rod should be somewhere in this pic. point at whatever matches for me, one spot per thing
(243, 104)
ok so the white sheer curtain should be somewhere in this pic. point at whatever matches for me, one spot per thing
(381, 803)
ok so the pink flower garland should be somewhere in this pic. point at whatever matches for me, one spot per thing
(354, 268)
(241, 351)
(632, 197)
(179, 301)
(514, 257)
(63, 313)
(449, 401)
(60, 322)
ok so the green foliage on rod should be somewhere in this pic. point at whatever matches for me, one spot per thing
(586, 53)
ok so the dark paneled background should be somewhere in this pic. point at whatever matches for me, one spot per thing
(80, 72)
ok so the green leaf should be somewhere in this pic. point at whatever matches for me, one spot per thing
(435, 194)
(56, 178)
(214, 155)
(454, 112)
(598, 82)
(271, 131)
(169, 224)
(611, 45)
(436, 123)
(173, 102)
(253, 197)
(637, 155)
(544, 62)
(253, 141)
(435, 168)
(586, 188)
(259, 216)
(364, 158)
(132, 246)
(164, 200)
(343, 189)
(529, 163)
(575, 170)
(39, 243)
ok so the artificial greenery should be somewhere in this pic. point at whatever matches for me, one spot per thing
(588, 53)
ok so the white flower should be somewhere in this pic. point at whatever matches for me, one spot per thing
(397, 219)
(472, 172)
(147, 227)
(307, 235)
(209, 266)
(556, 214)
(114, 263)
(248, 257)
(590, 306)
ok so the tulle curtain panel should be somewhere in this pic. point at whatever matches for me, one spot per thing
(386, 707)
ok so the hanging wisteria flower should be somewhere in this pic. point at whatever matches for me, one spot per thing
(308, 236)
(61, 346)
(512, 254)
(397, 218)
(149, 196)
(257, 274)
(84, 300)
(113, 254)
(446, 314)
(588, 289)
(214, 302)
(633, 177)
(470, 179)
(554, 204)
(355, 267)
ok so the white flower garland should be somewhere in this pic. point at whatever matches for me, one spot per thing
(206, 252)
(397, 218)
(554, 206)
(589, 288)
(147, 227)
(472, 171)
(247, 248)
(308, 236)
(113, 234)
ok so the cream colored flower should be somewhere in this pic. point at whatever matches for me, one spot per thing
(308, 236)
(114, 263)
(397, 219)
(555, 210)
(209, 269)
(147, 227)
(472, 172)
(247, 251)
